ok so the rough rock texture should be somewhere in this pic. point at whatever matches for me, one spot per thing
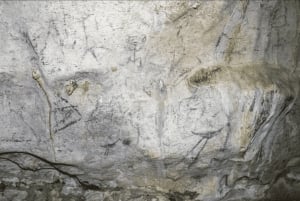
(149, 100)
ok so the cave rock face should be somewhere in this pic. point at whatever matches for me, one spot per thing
(149, 100)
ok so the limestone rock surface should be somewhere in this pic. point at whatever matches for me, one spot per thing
(149, 100)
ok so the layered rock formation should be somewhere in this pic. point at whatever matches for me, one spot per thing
(150, 100)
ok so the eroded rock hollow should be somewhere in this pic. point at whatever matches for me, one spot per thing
(149, 100)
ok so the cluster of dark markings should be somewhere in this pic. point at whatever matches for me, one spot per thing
(65, 115)
(135, 44)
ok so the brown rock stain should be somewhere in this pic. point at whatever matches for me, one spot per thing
(247, 77)
(85, 87)
(232, 43)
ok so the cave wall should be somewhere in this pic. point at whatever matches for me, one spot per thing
(149, 100)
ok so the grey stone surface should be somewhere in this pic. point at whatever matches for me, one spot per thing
(149, 100)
